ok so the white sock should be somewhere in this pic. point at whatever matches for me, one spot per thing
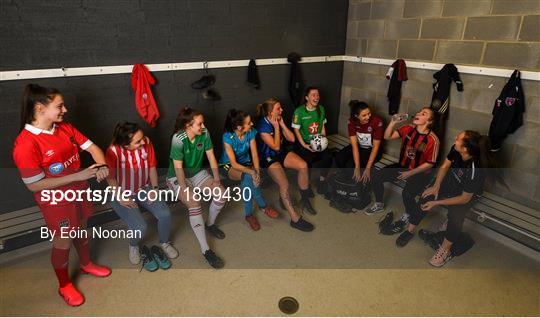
(197, 224)
(215, 208)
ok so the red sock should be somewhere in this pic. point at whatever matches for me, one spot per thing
(60, 261)
(81, 245)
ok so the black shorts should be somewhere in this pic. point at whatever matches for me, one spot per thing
(268, 161)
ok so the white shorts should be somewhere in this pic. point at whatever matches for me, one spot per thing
(194, 182)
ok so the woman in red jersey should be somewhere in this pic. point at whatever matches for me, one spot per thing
(46, 153)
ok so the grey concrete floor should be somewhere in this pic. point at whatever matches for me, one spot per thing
(344, 267)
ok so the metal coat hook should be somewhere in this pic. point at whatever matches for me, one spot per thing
(63, 70)
(205, 66)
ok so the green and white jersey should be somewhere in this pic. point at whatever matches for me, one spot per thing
(308, 121)
(191, 153)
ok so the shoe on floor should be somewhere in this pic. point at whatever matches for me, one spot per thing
(375, 208)
(160, 257)
(71, 295)
(404, 238)
(148, 261)
(302, 225)
(134, 255)
(396, 227)
(215, 231)
(253, 223)
(441, 257)
(169, 250)
(306, 206)
(213, 259)
(271, 212)
(96, 270)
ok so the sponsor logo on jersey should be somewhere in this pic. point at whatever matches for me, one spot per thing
(71, 160)
(49, 153)
(313, 127)
(63, 223)
(56, 168)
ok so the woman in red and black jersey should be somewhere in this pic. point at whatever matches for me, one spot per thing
(46, 153)
(418, 154)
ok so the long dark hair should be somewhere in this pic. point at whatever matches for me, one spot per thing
(34, 94)
(184, 118)
(356, 107)
(234, 119)
(478, 146)
(123, 132)
(309, 89)
(266, 107)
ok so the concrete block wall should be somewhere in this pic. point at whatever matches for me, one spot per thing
(492, 33)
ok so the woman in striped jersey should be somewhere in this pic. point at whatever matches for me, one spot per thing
(132, 163)
(186, 176)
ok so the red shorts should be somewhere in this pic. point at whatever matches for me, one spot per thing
(69, 215)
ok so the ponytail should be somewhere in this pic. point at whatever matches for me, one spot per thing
(266, 107)
(184, 118)
(478, 146)
(34, 94)
(234, 119)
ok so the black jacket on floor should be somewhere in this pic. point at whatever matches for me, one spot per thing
(507, 111)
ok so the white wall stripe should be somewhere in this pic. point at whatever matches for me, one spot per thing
(123, 69)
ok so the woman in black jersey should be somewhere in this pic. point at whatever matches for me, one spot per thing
(459, 179)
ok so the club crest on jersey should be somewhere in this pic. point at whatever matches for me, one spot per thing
(369, 129)
(63, 223)
(56, 168)
(313, 127)
(199, 146)
(411, 153)
(72, 140)
(510, 101)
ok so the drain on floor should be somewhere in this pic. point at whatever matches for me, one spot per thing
(288, 305)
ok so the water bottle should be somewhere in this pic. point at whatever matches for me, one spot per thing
(400, 117)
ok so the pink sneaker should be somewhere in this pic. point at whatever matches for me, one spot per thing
(441, 257)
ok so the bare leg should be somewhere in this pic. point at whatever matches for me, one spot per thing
(277, 173)
(294, 161)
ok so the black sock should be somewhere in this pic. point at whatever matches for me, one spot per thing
(305, 193)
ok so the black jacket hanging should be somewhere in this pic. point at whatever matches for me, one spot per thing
(295, 81)
(253, 75)
(397, 74)
(507, 111)
(441, 88)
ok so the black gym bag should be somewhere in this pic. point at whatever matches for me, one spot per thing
(342, 189)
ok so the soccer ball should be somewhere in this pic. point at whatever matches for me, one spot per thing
(318, 143)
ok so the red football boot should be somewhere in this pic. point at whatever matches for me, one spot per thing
(71, 295)
(96, 270)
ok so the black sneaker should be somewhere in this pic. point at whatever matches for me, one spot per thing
(215, 231)
(148, 261)
(211, 94)
(306, 207)
(302, 225)
(386, 223)
(396, 227)
(213, 259)
(404, 238)
(204, 82)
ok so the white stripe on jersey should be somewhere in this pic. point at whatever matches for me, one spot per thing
(139, 174)
(131, 172)
(146, 171)
(35, 178)
(123, 167)
(472, 174)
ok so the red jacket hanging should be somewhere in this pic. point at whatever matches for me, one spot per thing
(141, 79)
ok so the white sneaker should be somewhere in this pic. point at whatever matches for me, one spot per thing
(169, 250)
(134, 255)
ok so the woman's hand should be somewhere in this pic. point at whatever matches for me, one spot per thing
(403, 175)
(87, 173)
(256, 175)
(275, 122)
(102, 173)
(307, 147)
(366, 176)
(433, 190)
(429, 205)
(216, 183)
(357, 175)
(281, 122)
